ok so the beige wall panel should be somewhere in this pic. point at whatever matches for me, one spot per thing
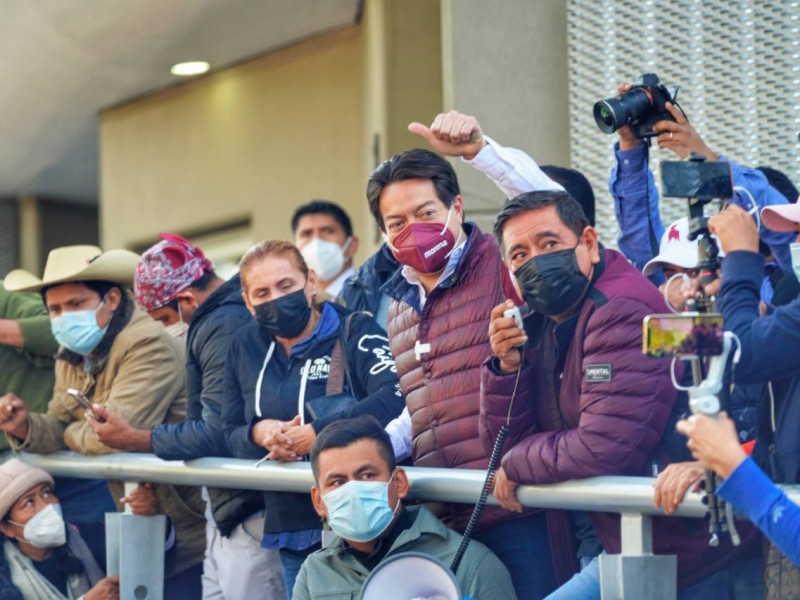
(506, 63)
(414, 69)
(254, 140)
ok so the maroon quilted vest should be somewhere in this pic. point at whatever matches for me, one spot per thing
(442, 387)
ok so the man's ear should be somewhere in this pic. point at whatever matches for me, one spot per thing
(319, 504)
(113, 298)
(590, 241)
(188, 299)
(352, 248)
(458, 207)
(401, 482)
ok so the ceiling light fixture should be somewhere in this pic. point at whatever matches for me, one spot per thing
(188, 69)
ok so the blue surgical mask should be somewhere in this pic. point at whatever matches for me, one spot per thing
(77, 330)
(359, 511)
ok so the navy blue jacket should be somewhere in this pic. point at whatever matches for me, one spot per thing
(362, 292)
(208, 342)
(372, 370)
(770, 352)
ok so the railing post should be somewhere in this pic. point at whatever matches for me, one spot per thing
(637, 572)
(135, 552)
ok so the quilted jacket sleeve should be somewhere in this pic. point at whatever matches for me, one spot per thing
(621, 420)
(497, 389)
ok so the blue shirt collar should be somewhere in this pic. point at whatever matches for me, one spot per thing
(328, 325)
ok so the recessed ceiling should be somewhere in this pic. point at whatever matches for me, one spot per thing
(62, 62)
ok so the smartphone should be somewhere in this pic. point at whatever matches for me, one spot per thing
(84, 402)
(514, 313)
(693, 335)
(696, 179)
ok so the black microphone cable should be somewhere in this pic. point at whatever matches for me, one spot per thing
(488, 484)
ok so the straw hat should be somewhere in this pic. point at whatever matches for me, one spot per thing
(16, 478)
(77, 263)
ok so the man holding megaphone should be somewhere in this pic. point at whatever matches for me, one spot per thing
(359, 491)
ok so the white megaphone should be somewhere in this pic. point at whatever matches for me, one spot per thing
(411, 576)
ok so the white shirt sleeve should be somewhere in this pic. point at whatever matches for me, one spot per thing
(513, 171)
(399, 431)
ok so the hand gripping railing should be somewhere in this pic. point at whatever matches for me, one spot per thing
(636, 573)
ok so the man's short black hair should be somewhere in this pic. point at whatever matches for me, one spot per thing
(569, 211)
(412, 164)
(781, 182)
(323, 207)
(347, 432)
(576, 185)
(201, 283)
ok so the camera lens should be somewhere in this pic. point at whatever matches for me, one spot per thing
(614, 113)
(605, 117)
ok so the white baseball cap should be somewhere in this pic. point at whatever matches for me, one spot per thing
(676, 248)
(783, 217)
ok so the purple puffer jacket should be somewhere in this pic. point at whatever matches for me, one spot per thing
(605, 414)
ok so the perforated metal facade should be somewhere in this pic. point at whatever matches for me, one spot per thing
(737, 63)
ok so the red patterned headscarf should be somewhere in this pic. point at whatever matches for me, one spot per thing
(167, 269)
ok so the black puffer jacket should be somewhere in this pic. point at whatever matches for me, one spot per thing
(362, 291)
(210, 335)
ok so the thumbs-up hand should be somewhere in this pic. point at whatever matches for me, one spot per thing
(453, 134)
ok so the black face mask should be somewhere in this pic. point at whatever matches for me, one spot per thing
(552, 283)
(285, 317)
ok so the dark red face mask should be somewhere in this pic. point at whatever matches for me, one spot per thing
(425, 247)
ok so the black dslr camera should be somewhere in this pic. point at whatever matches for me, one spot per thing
(641, 108)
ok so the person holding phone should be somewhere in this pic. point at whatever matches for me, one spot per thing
(297, 367)
(587, 402)
(118, 357)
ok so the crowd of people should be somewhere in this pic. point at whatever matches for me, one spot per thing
(413, 358)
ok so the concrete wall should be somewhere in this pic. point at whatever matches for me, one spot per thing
(506, 63)
(403, 77)
(250, 142)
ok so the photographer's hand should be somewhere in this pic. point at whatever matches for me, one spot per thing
(735, 230)
(681, 137)
(627, 140)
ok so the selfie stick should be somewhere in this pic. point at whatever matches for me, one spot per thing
(704, 400)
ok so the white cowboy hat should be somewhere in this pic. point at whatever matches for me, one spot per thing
(77, 263)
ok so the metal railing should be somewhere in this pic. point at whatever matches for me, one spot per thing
(633, 573)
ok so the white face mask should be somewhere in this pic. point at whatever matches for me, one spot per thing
(325, 258)
(45, 529)
(795, 251)
(178, 329)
